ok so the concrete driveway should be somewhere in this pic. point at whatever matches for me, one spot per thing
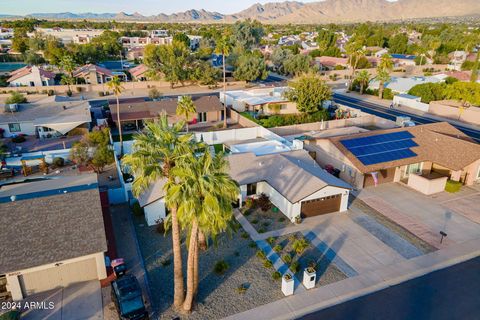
(427, 213)
(76, 302)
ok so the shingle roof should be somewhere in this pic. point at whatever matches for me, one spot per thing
(138, 70)
(86, 69)
(152, 109)
(439, 142)
(293, 174)
(51, 228)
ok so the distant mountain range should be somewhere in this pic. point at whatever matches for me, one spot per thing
(327, 11)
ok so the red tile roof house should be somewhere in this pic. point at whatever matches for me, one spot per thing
(329, 63)
(424, 158)
(93, 74)
(31, 76)
(139, 72)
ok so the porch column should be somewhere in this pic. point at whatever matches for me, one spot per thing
(455, 175)
(13, 285)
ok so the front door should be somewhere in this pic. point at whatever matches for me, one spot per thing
(412, 168)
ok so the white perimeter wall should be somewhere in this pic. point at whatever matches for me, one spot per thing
(154, 212)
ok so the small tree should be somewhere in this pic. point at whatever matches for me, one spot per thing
(93, 150)
(363, 77)
(16, 97)
(309, 92)
(154, 93)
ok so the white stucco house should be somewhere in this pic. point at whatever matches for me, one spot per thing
(53, 235)
(52, 117)
(31, 76)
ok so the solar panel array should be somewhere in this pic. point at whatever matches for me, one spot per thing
(382, 148)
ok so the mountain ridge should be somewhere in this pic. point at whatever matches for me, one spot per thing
(327, 11)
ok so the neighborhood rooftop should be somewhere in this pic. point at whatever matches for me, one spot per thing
(42, 229)
(293, 174)
(437, 142)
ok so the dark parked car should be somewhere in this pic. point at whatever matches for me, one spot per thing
(128, 298)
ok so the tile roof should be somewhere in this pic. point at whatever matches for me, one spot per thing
(86, 69)
(39, 229)
(138, 70)
(152, 109)
(22, 72)
(439, 143)
(293, 174)
(331, 61)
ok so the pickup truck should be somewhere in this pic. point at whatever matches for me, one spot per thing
(128, 298)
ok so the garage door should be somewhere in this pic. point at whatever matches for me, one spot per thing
(60, 276)
(320, 206)
(383, 176)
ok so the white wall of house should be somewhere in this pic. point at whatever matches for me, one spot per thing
(155, 211)
(25, 128)
(32, 78)
(277, 199)
(13, 282)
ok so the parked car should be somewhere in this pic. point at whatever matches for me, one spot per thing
(128, 298)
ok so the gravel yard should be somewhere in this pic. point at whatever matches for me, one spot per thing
(265, 221)
(421, 245)
(218, 295)
(327, 272)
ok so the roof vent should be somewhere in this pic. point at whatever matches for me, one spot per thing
(13, 198)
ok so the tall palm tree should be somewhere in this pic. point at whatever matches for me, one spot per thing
(203, 193)
(354, 57)
(224, 47)
(363, 77)
(185, 108)
(68, 65)
(116, 86)
(156, 152)
(385, 66)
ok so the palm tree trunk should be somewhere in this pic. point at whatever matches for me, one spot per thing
(187, 304)
(119, 126)
(361, 88)
(224, 96)
(380, 90)
(178, 297)
(202, 241)
(195, 272)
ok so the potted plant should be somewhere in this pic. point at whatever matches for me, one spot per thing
(288, 284)
(298, 219)
(309, 277)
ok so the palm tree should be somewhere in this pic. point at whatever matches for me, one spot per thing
(383, 77)
(354, 58)
(156, 151)
(363, 77)
(186, 107)
(68, 65)
(223, 47)
(116, 87)
(203, 193)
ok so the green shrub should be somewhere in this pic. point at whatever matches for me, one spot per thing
(276, 275)
(292, 237)
(247, 212)
(252, 244)
(264, 202)
(137, 209)
(300, 245)
(281, 219)
(267, 264)
(388, 94)
(69, 93)
(245, 235)
(295, 267)
(287, 258)
(261, 254)
(271, 240)
(262, 230)
(266, 223)
(254, 221)
(19, 139)
(249, 203)
(278, 248)
(51, 92)
(220, 267)
(453, 186)
(16, 97)
(58, 161)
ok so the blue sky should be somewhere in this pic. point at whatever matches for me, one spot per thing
(146, 7)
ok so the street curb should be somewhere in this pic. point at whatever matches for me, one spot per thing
(330, 295)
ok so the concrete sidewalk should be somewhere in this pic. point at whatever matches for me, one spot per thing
(320, 298)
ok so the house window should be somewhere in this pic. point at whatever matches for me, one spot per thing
(14, 127)
(32, 84)
(251, 189)
(202, 117)
(45, 129)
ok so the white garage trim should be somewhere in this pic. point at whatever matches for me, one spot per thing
(72, 270)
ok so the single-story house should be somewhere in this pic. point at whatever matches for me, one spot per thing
(139, 72)
(457, 58)
(260, 99)
(423, 156)
(135, 53)
(31, 76)
(52, 117)
(294, 182)
(93, 74)
(209, 111)
(403, 85)
(329, 63)
(53, 235)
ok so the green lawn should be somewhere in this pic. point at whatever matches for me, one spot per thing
(453, 186)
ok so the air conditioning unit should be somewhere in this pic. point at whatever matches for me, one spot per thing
(11, 107)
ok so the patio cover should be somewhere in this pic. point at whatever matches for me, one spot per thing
(63, 128)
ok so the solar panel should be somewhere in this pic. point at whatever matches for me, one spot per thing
(386, 157)
(382, 148)
(377, 139)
